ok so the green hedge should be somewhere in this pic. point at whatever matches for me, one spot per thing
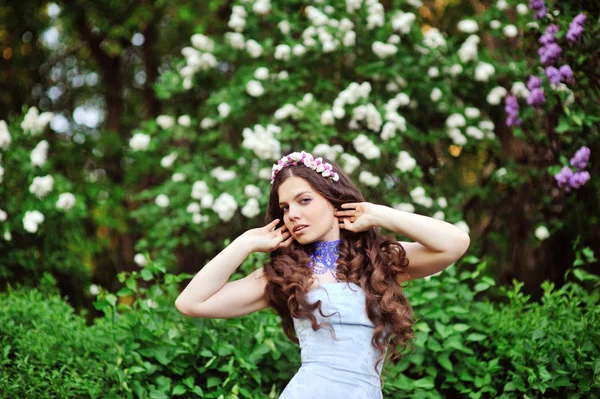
(466, 346)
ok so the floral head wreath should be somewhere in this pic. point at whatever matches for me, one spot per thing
(309, 161)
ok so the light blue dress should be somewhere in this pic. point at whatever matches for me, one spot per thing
(333, 369)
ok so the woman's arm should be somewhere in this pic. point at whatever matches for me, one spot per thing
(437, 244)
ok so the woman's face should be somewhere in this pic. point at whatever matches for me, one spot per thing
(301, 205)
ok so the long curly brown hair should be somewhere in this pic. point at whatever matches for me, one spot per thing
(368, 258)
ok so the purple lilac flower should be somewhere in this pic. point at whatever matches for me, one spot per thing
(548, 36)
(550, 53)
(563, 177)
(539, 7)
(536, 97)
(553, 75)
(511, 106)
(579, 179)
(534, 82)
(576, 28)
(581, 158)
(566, 73)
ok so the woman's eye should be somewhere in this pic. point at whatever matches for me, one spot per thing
(306, 199)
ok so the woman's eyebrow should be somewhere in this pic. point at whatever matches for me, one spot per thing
(297, 195)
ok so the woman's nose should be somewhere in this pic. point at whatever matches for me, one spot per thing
(293, 213)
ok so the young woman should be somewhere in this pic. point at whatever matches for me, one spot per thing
(329, 266)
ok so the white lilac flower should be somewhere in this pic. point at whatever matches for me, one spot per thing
(178, 177)
(254, 48)
(286, 111)
(471, 112)
(495, 24)
(433, 38)
(456, 135)
(5, 138)
(520, 90)
(350, 163)
(501, 5)
(184, 120)
(327, 151)
(284, 26)
(224, 110)
(41, 186)
(165, 121)
(94, 290)
(39, 154)
(468, 50)
(251, 209)
(167, 161)
(383, 50)
(151, 303)
(32, 221)
(455, 120)
(463, 226)
(1, 173)
(454, 69)
(468, 26)
(222, 175)
(405, 162)
(140, 260)
(3, 215)
(193, 207)
(442, 202)
(207, 200)
(139, 142)
(66, 201)
(472, 131)
(261, 73)
(237, 20)
(542, 233)
(388, 131)
(522, 9)
(404, 207)
(349, 39)
(198, 218)
(298, 50)
(34, 123)
(162, 201)
(368, 178)
(199, 189)
(283, 75)
(263, 141)
(255, 88)
(283, 52)
(265, 173)
(364, 145)
(433, 72)
(483, 71)
(435, 95)
(7, 236)
(225, 206)
(202, 42)
(510, 31)
(402, 22)
(439, 215)
(252, 191)
(236, 40)
(495, 96)
(207, 123)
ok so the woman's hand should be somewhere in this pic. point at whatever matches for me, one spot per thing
(267, 238)
(357, 217)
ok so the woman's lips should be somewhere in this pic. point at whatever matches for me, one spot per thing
(298, 232)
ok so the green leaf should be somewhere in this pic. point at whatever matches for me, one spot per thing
(179, 389)
(460, 327)
(213, 381)
(476, 337)
(146, 274)
(125, 292)
(424, 383)
(481, 287)
(444, 360)
(112, 299)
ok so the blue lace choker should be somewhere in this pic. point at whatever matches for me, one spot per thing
(324, 254)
